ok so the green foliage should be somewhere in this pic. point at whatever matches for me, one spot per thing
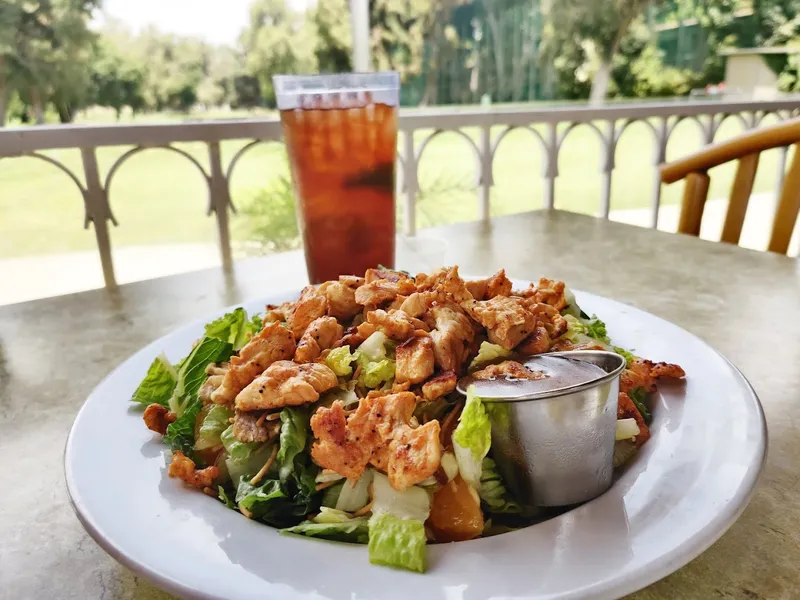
(270, 218)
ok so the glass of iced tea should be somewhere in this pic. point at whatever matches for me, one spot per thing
(341, 139)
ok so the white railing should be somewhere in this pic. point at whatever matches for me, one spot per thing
(608, 122)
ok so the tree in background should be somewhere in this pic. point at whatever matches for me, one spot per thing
(601, 23)
(334, 45)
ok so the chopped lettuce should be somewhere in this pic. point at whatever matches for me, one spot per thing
(214, 423)
(373, 374)
(626, 429)
(354, 531)
(339, 359)
(180, 433)
(192, 372)
(344, 393)
(159, 383)
(255, 325)
(397, 542)
(487, 353)
(411, 503)
(581, 330)
(624, 450)
(639, 397)
(373, 349)
(331, 515)
(266, 501)
(232, 328)
(493, 491)
(572, 304)
(244, 459)
(293, 438)
(472, 439)
(355, 495)
(628, 356)
(224, 498)
(331, 495)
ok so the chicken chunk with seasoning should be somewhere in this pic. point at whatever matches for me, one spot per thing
(286, 383)
(452, 335)
(440, 385)
(341, 297)
(496, 285)
(508, 369)
(321, 334)
(396, 324)
(506, 320)
(184, 468)
(311, 306)
(415, 361)
(414, 455)
(383, 286)
(273, 343)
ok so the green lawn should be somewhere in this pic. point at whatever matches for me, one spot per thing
(159, 197)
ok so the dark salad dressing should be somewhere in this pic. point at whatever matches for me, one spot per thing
(560, 372)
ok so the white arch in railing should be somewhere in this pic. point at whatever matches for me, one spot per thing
(470, 142)
(133, 151)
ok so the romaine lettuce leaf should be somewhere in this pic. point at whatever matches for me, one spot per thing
(245, 459)
(339, 359)
(397, 542)
(487, 353)
(192, 372)
(180, 433)
(626, 429)
(224, 498)
(628, 356)
(255, 325)
(639, 397)
(214, 423)
(331, 494)
(159, 383)
(373, 374)
(232, 328)
(472, 439)
(353, 497)
(493, 492)
(579, 329)
(267, 502)
(411, 503)
(293, 437)
(373, 349)
(355, 531)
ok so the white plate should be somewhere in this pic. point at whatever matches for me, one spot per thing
(687, 486)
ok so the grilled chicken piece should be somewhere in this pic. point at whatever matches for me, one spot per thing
(548, 292)
(537, 342)
(383, 286)
(418, 303)
(346, 446)
(452, 336)
(414, 455)
(285, 383)
(496, 285)
(247, 429)
(547, 316)
(565, 345)
(643, 373)
(311, 306)
(508, 369)
(273, 343)
(441, 385)
(341, 297)
(396, 324)
(216, 375)
(336, 448)
(506, 320)
(157, 418)
(184, 469)
(447, 281)
(415, 360)
(320, 335)
(279, 314)
(626, 409)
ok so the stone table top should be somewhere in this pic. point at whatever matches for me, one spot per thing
(744, 303)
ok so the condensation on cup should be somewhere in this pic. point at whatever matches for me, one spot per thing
(341, 139)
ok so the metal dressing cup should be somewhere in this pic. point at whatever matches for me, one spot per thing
(555, 447)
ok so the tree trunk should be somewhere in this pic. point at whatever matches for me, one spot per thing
(499, 59)
(4, 94)
(38, 109)
(600, 83)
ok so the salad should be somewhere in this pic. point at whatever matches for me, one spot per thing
(336, 416)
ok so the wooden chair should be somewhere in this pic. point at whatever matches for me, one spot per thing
(745, 148)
